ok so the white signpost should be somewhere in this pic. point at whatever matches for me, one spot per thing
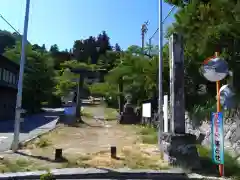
(146, 110)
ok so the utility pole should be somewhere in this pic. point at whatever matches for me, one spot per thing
(20, 82)
(144, 30)
(160, 75)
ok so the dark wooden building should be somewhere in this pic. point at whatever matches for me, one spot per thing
(8, 88)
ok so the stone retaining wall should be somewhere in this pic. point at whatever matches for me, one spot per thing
(231, 134)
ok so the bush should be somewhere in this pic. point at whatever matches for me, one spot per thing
(148, 135)
(231, 165)
(47, 176)
(42, 142)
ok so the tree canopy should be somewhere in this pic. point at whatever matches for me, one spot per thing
(206, 27)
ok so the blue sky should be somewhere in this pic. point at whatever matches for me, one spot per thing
(62, 22)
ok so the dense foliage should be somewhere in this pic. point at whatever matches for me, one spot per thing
(206, 26)
(47, 76)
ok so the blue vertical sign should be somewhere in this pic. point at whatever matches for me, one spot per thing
(217, 138)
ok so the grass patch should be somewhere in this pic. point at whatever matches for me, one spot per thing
(148, 134)
(80, 161)
(136, 159)
(109, 113)
(232, 167)
(18, 165)
(86, 113)
(42, 142)
(132, 154)
(130, 157)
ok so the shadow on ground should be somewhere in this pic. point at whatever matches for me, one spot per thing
(42, 158)
(168, 175)
(90, 104)
(72, 122)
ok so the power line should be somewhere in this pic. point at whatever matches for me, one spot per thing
(169, 13)
(1, 16)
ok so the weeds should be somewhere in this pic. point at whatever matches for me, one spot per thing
(148, 134)
(42, 142)
(231, 165)
(15, 166)
(47, 176)
(109, 113)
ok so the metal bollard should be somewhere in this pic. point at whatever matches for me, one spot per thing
(58, 154)
(113, 152)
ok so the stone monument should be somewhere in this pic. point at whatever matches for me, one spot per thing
(179, 148)
(129, 116)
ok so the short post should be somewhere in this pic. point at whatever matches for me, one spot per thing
(113, 152)
(58, 154)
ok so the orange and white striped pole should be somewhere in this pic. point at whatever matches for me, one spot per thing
(220, 166)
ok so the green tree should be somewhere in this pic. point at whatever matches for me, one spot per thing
(67, 80)
(207, 26)
(7, 40)
(38, 81)
(54, 49)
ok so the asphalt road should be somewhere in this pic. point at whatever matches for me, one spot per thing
(30, 127)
